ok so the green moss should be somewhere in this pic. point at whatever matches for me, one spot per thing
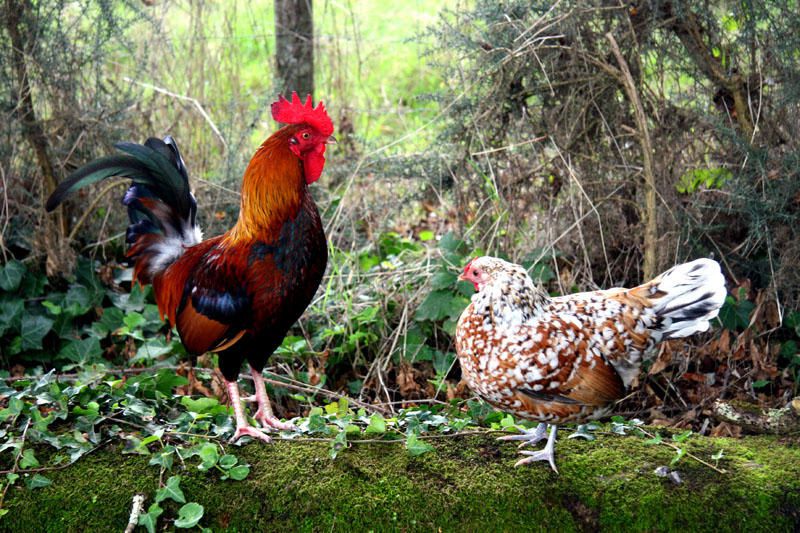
(468, 484)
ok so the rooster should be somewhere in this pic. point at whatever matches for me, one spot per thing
(238, 293)
(568, 359)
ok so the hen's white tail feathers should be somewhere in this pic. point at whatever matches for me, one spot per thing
(686, 297)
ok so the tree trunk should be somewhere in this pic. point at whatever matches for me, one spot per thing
(294, 46)
(53, 239)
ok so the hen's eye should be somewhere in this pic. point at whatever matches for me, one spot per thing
(306, 135)
(474, 272)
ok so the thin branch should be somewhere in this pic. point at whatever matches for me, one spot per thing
(650, 197)
(193, 101)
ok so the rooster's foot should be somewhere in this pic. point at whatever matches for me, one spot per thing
(250, 431)
(268, 420)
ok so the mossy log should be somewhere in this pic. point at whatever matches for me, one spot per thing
(467, 484)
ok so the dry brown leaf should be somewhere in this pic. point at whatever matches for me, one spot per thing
(406, 382)
(664, 358)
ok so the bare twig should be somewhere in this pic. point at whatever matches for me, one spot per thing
(136, 510)
(650, 214)
(193, 101)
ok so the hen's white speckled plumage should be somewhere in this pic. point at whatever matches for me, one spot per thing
(568, 358)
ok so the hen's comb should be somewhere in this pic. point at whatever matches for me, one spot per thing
(296, 112)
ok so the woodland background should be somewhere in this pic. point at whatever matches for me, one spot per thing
(597, 144)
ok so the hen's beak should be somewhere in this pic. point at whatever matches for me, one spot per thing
(331, 140)
(462, 277)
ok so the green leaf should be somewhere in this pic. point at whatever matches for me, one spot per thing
(78, 300)
(439, 305)
(377, 425)
(426, 235)
(110, 321)
(133, 320)
(171, 490)
(38, 481)
(54, 309)
(679, 453)
(338, 444)
(239, 472)
(83, 350)
(682, 436)
(189, 515)
(11, 275)
(761, 383)
(11, 310)
(163, 458)
(444, 279)
(209, 455)
(150, 518)
(200, 405)
(32, 330)
(415, 446)
(28, 460)
(227, 461)
(166, 380)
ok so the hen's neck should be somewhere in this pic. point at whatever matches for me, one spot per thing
(273, 189)
(510, 302)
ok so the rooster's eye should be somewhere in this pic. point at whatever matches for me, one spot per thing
(306, 135)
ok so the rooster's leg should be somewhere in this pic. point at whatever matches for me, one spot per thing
(545, 454)
(242, 427)
(264, 414)
(529, 437)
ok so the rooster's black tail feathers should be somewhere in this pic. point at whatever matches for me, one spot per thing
(161, 208)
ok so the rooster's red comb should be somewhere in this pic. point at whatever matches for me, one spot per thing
(297, 112)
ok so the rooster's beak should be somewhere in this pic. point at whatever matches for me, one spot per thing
(331, 140)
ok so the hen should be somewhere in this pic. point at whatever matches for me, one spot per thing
(238, 293)
(570, 358)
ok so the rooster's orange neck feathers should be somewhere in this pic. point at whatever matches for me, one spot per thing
(272, 190)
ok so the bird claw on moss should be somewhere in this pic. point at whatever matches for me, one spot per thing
(529, 437)
(250, 431)
(271, 422)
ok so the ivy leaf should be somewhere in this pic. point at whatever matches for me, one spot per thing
(338, 444)
(682, 436)
(83, 350)
(11, 275)
(228, 461)
(32, 330)
(239, 472)
(171, 490)
(11, 310)
(377, 425)
(28, 460)
(38, 481)
(78, 300)
(679, 453)
(209, 455)
(201, 405)
(150, 518)
(415, 446)
(189, 515)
